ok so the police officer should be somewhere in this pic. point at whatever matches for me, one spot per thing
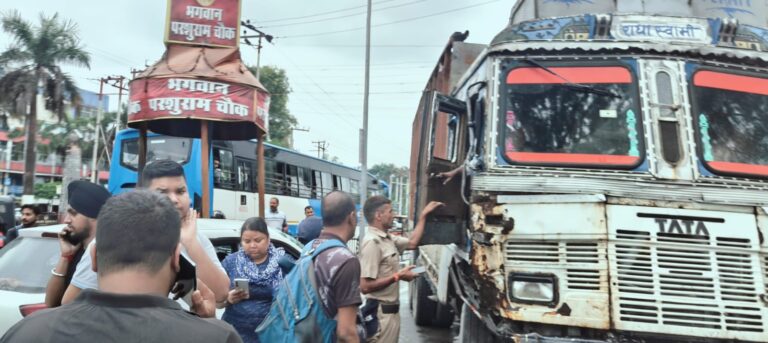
(379, 260)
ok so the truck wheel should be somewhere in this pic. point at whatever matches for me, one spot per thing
(473, 329)
(423, 308)
(443, 316)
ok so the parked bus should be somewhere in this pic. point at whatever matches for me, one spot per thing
(295, 179)
(610, 175)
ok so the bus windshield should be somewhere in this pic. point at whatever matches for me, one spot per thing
(732, 112)
(158, 148)
(572, 116)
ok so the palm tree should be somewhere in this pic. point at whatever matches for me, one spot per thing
(37, 52)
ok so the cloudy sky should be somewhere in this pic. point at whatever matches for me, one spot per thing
(320, 44)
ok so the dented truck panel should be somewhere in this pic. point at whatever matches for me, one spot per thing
(564, 240)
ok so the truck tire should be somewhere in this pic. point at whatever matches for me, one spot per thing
(423, 308)
(443, 317)
(473, 329)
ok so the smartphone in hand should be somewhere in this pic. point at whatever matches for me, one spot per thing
(67, 236)
(419, 270)
(186, 280)
(242, 285)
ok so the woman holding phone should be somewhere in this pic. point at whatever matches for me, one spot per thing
(254, 273)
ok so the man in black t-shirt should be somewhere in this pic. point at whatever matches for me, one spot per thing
(337, 269)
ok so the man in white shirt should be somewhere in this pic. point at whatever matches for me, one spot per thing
(167, 177)
(274, 218)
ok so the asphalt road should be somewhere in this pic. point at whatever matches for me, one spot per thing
(410, 332)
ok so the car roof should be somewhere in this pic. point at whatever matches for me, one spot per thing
(211, 228)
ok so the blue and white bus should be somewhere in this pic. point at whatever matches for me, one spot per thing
(295, 179)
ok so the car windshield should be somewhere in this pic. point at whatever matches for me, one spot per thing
(26, 263)
(565, 115)
(732, 117)
(158, 148)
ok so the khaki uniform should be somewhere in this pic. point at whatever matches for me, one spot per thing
(380, 257)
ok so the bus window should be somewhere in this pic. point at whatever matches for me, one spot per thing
(223, 176)
(158, 148)
(337, 183)
(548, 120)
(730, 113)
(245, 176)
(306, 189)
(272, 176)
(291, 180)
(317, 184)
(327, 183)
(345, 184)
(354, 186)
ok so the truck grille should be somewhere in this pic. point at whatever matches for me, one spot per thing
(578, 263)
(765, 270)
(706, 283)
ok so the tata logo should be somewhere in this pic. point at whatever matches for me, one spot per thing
(682, 227)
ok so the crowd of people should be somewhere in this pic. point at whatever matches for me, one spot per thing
(121, 257)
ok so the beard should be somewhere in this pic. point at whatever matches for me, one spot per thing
(79, 237)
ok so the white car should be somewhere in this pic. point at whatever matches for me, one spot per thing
(26, 263)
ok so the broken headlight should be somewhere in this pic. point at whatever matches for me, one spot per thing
(533, 288)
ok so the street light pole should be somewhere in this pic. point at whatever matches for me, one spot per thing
(364, 130)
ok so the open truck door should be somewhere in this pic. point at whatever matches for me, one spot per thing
(440, 133)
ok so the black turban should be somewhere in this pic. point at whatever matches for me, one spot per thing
(86, 197)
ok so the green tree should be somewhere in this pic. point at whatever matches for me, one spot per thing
(36, 53)
(85, 128)
(46, 190)
(384, 170)
(281, 122)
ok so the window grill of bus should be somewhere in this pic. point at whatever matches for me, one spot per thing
(668, 125)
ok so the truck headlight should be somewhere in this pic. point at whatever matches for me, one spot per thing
(533, 288)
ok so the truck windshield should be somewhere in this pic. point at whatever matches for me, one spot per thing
(731, 112)
(158, 148)
(550, 121)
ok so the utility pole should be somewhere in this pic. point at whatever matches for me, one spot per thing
(364, 130)
(259, 35)
(297, 128)
(117, 82)
(321, 146)
(95, 155)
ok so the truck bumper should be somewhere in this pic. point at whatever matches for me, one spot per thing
(536, 338)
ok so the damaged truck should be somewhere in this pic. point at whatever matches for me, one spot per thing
(604, 166)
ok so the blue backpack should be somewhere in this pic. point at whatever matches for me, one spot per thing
(297, 314)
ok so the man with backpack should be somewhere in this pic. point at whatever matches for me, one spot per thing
(326, 271)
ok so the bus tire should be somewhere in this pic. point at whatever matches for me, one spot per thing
(423, 308)
(473, 330)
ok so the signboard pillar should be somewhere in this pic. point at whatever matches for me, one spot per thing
(205, 147)
(260, 156)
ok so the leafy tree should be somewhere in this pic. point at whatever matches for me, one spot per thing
(281, 122)
(384, 170)
(37, 52)
(85, 128)
(46, 190)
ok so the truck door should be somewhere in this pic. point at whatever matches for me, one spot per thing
(441, 144)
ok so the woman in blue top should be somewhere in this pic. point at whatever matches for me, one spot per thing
(256, 261)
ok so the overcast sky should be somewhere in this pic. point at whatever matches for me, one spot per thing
(324, 66)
